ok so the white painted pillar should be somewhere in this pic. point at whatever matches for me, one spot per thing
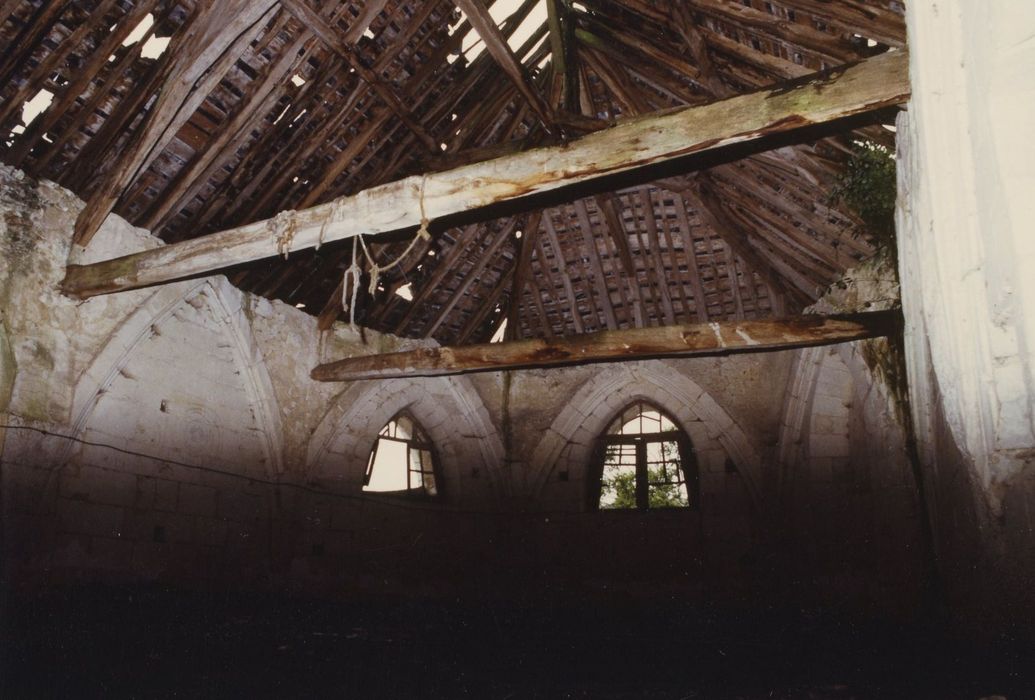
(967, 230)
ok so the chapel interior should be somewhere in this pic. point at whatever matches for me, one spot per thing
(517, 349)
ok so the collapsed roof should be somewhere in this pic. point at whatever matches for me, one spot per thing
(189, 117)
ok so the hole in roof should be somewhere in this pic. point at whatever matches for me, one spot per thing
(405, 291)
(139, 31)
(154, 47)
(282, 113)
(473, 45)
(36, 106)
(497, 337)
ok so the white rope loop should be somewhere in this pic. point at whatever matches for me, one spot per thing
(348, 300)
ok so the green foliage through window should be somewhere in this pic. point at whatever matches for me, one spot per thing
(646, 459)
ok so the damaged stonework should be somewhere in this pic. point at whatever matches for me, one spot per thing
(173, 434)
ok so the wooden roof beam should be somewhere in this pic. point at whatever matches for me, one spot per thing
(713, 338)
(227, 28)
(497, 46)
(564, 51)
(868, 85)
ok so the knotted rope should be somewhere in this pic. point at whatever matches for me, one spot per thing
(375, 269)
(349, 303)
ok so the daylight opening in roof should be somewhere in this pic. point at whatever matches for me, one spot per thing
(139, 31)
(154, 47)
(472, 44)
(36, 106)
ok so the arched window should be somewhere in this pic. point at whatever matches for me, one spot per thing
(646, 462)
(401, 461)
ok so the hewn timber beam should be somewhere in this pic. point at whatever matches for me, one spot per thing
(497, 46)
(224, 31)
(875, 83)
(716, 338)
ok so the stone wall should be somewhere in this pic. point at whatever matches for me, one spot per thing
(173, 434)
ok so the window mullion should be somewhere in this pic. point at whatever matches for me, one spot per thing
(642, 486)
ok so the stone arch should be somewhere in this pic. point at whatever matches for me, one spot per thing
(594, 406)
(226, 305)
(448, 408)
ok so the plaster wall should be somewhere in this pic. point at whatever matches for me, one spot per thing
(967, 172)
(173, 434)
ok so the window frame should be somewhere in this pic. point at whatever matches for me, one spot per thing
(421, 442)
(687, 462)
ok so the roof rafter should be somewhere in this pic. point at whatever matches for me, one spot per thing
(497, 46)
(872, 84)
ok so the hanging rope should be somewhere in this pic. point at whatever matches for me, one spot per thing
(283, 227)
(354, 271)
(422, 235)
(348, 301)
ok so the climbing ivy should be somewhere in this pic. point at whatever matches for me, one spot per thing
(868, 187)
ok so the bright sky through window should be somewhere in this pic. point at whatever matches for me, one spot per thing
(401, 460)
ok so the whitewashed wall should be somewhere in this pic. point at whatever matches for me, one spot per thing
(967, 253)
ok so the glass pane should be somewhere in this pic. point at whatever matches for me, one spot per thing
(618, 482)
(404, 428)
(665, 483)
(429, 473)
(416, 472)
(389, 470)
(641, 419)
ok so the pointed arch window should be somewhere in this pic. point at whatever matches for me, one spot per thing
(646, 461)
(402, 460)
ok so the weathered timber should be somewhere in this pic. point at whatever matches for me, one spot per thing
(228, 29)
(876, 83)
(716, 338)
(497, 46)
(327, 34)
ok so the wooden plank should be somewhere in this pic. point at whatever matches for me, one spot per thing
(872, 84)
(715, 338)
(564, 52)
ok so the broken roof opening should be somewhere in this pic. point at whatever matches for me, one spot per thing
(297, 104)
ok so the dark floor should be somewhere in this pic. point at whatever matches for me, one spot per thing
(153, 643)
